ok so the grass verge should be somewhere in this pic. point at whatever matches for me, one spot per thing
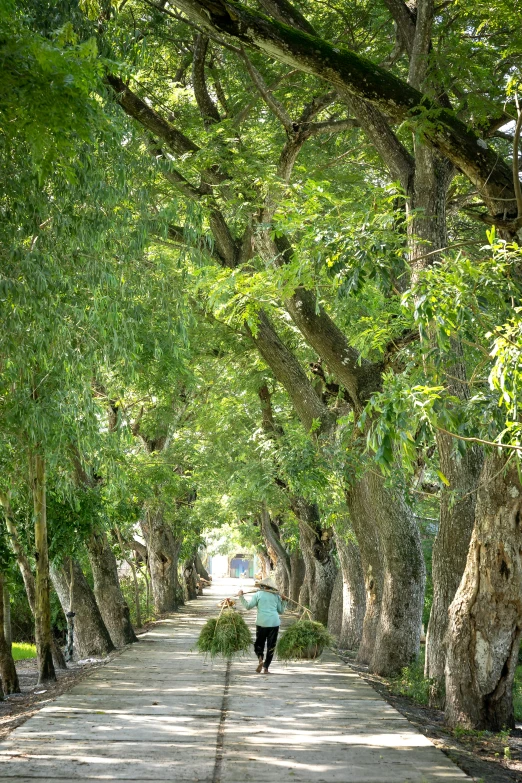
(22, 650)
(412, 683)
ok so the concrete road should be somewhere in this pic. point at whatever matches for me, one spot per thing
(161, 712)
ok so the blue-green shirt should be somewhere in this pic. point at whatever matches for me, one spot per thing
(269, 607)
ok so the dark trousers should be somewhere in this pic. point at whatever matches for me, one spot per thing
(266, 636)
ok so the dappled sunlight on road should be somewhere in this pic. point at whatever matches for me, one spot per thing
(154, 713)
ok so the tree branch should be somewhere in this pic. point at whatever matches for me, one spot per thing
(206, 105)
(349, 72)
(146, 116)
(263, 89)
(421, 43)
(405, 21)
(288, 371)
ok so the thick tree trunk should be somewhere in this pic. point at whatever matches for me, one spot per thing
(281, 578)
(163, 552)
(202, 571)
(353, 593)
(91, 637)
(304, 593)
(367, 536)
(42, 604)
(278, 554)
(427, 233)
(189, 572)
(7, 665)
(107, 589)
(485, 620)
(266, 563)
(450, 550)
(335, 611)
(320, 570)
(297, 575)
(398, 632)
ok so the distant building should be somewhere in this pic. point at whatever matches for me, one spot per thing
(235, 566)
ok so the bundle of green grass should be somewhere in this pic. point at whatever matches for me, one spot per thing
(225, 635)
(304, 640)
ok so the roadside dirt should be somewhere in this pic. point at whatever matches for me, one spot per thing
(491, 758)
(19, 707)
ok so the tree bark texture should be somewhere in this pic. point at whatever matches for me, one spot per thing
(107, 589)
(297, 575)
(353, 593)
(320, 570)
(42, 615)
(202, 571)
(163, 552)
(485, 618)
(398, 630)
(367, 536)
(7, 617)
(450, 551)
(91, 637)
(266, 563)
(281, 578)
(279, 555)
(190, 575)
(8, 673)
(335, 610)
(427, 233)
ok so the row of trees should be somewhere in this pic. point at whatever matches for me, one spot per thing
(247, 277)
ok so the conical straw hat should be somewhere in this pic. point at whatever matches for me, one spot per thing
(269, 582)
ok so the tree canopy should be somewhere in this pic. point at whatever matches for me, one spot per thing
(261, 273)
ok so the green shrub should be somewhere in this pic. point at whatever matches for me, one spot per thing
(412, 683)
(225, 635)
(304, 639)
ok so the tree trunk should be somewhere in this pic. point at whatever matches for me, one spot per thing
(202, 571)
(279, 555)
(297, 575)
(91, 638)
(427, 233)
(137, 601)
(107, 589)
(7, 617)
(42, 604)
(28, 577)
(190, 574)
(281, 578)
(485, 619)
(316, 548)
(353, 593)
(163, 552)
(398, 631)
(266, 564)
(7, 665)
(335, 611)
(450, 550)
(367, 536)
(304, 592)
